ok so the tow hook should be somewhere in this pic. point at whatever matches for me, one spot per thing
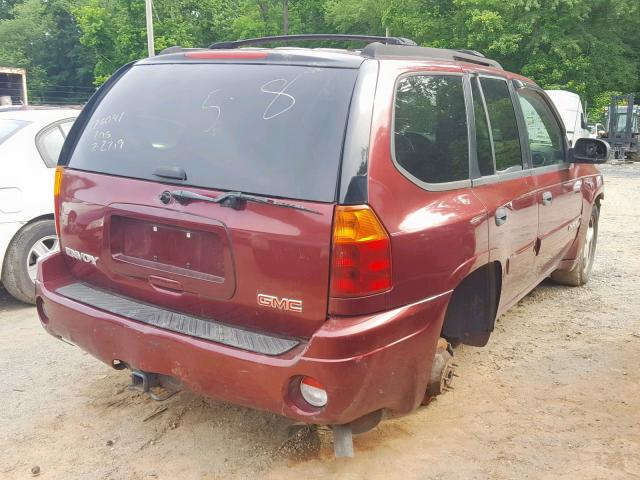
(442, 371)
(159, 387)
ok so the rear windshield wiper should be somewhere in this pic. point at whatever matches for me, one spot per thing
(235, 200)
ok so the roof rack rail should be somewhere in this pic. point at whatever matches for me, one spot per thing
(470, 52)
(376, 50)
(398, 41)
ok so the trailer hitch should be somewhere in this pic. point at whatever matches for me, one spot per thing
(159, 387)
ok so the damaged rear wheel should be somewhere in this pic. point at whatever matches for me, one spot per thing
(441, 372)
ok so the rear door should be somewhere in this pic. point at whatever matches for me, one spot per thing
(273, 131)
(504, 186)
(558, 191)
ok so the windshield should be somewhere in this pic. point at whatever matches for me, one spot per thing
(621, 124)
(264, 129)
(9, 127)
(621, 119)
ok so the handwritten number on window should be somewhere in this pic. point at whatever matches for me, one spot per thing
(210, 103)
(282, 101)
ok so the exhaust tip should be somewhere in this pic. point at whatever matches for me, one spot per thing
(118, 364)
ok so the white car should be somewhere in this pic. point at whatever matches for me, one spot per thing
(30, 142)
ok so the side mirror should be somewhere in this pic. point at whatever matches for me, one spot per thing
(589, 150)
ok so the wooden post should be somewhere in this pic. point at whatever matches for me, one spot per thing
(149, 15)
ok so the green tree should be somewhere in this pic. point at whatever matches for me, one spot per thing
(43, 38)
(115, 30)
(579, 45)
(586, 46)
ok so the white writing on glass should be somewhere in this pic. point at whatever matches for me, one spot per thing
(277, 87)
(107, 120)
(103, 142)
(208, 104)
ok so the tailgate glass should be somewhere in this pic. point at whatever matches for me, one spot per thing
(265, 129)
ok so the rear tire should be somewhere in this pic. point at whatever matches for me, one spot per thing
(581, 272)
(31, 243)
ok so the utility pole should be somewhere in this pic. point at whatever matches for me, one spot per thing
(149, 14)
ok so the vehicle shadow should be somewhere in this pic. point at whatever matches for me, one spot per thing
(171, 425)
(9, 304)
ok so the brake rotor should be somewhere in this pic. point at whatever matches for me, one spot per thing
(442, 371)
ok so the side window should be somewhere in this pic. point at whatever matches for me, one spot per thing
(66, 126)
(483, 137)
(49, 143)
(544, 131)
(504, 129)
(430, 128)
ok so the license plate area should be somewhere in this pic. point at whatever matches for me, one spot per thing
(161, 250)
(196, 252)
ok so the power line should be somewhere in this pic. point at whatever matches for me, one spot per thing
(45, 85)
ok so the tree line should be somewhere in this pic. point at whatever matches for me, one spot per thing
(591, 47)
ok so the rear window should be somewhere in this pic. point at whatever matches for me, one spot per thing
(265, 129)
(9, 127)
(430, 128)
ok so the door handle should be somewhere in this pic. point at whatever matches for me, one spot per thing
(547, 198)
(501, 216)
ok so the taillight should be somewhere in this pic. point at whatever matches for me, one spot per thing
(361, 257)
(57, 183)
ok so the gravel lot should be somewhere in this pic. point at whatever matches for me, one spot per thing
(554, 395)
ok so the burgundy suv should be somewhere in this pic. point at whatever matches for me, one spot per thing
(299, 229)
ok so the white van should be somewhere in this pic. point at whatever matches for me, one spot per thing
(570, 108)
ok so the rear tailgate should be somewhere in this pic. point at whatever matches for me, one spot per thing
(270, 130)
(203, 259)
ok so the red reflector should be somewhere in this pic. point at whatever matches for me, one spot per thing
(225, 54)
(312, 382)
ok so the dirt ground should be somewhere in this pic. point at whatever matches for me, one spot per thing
(554, 395)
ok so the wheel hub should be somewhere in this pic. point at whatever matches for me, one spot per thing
(442, 371)
(42, 248)
(586, 251)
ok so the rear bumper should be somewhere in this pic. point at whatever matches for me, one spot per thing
(366, 363)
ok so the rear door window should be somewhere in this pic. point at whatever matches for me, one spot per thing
(49, 143)
(430, 128)
(484, 145)
(265, 129)
(503, 124)
(66, 127)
